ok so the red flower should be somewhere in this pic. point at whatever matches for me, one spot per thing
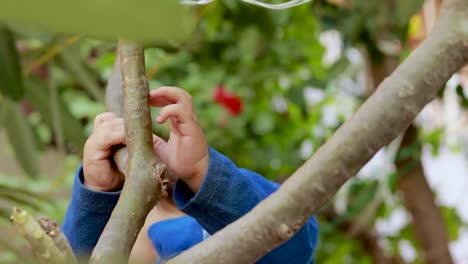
(230, 101)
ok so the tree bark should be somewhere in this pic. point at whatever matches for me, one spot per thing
(44, 237)
(388, 112)
(417, 195)
(428, 224)
(52, 229)
(114, 103)
(142, 188)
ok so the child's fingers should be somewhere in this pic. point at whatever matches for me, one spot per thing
(169, 95)
(180, 112)
(161, 101)
(108, 134)
(101, 118)
(159, 146)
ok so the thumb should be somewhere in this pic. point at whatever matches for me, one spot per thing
(159, 148)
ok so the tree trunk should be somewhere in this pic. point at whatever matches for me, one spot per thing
(428, 225)
(388, 112)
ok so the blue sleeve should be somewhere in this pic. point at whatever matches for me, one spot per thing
(227, 193)
(171, 237)
(87, 216)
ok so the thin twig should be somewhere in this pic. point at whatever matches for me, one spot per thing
(41, 243)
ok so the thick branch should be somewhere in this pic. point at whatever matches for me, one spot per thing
(379, 120)
(429, 227)
(142, 186)
(41, 243)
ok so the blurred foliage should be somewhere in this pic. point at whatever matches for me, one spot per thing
(44, 196)
(11, 82)
(271, 61)
(103, 19)
(372, 24)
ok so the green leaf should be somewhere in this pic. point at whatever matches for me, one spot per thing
(21, 137)
(452, 220)
(20, 191)
(406, 9)
(38, 96)
(249, 45)
(76, 68)
(264, 123)
(18, 200)
(434, 138)
(462, 96)
(392, 180)
(338, 68)
(360, 194)
(143, 20)
(11, 81)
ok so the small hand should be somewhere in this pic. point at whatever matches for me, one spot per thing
(186, 151)
(99, 172)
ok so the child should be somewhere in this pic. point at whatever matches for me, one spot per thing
(211, 192)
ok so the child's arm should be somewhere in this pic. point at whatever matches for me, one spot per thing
(210, 187)
(227, 193)
(87, 216)
(93, 198)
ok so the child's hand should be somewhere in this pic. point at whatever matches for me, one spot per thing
(99, 173)
(185, 154)
(186, 151)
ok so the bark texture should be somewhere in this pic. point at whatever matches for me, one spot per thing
(419, 200)
(427, 222)
(52, 229)
(388, 112)
(44, 237)
(114, 103)
(142, 188)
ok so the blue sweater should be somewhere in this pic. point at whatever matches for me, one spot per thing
(226, 194)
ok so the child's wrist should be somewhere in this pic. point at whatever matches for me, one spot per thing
(101, 188)
(195, 181)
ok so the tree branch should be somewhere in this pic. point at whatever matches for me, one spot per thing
(142, 188)
(39, 239)
(52, 229)
(114, 103)
(378, 121)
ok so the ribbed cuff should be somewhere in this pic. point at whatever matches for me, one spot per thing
(196, 205)
(92, 201)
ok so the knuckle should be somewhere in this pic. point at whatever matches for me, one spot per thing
(188, 96)
(97, 120)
